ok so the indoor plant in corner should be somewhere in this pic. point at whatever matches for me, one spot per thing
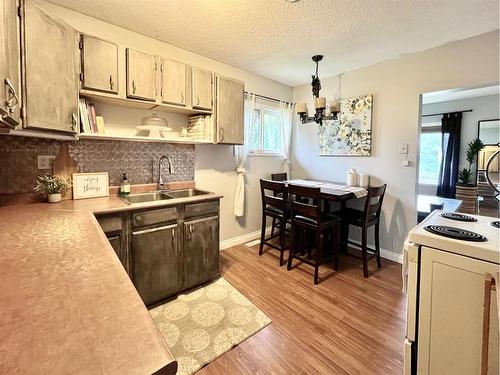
(53, 186)
(467, 184)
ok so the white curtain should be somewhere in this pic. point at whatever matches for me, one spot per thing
(286, 115)
(241, 157)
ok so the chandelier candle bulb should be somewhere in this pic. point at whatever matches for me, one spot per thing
(320, 102)
(301, 107)
(335, 106)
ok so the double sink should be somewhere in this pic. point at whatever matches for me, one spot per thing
(162, 195)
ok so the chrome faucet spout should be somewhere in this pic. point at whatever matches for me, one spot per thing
(162, 183)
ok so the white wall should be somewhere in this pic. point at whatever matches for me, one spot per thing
(215, 164)
(396, 86)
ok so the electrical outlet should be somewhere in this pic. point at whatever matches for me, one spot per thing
(45, 161)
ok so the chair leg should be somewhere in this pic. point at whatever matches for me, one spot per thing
(273, 225)
(377, 244)
(317, 256)
(336, 247)
(282, 240)
(364, 252)
(293, 244)
(262, 234)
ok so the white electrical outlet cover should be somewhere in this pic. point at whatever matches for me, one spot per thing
(45, 161)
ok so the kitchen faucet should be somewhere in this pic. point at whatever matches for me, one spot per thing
(161, 182)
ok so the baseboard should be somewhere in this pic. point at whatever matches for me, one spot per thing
(253, 238)
(248, 239)
(384, 253)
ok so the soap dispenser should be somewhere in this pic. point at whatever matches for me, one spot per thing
(125, 186)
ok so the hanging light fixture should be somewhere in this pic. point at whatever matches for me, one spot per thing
(319, 102)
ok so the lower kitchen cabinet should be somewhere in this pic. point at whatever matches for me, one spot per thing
(156, 263)
(166, 250)
(202, 250)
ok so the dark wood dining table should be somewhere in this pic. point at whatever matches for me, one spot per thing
(334, 195)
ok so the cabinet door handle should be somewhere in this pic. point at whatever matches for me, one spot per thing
(490, 283)
(190, 231)
(221, 134)
(197, 100)
(133, 87)
(13, 101)
(173, 234)
(182, 97)
(111, 83)
(74, 121)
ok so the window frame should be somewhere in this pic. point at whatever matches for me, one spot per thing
(426, 129)
(261, 152)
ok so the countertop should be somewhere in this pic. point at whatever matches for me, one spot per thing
(66, 303)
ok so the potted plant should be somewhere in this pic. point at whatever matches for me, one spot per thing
(53, 186)
(466, 189)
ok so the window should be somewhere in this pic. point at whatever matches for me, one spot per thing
(265, 136)
(430, 156)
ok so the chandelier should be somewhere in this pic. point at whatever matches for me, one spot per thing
(319, 102)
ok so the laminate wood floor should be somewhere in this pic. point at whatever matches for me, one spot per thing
(344, 325)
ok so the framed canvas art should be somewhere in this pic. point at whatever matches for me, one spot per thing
(351, 133)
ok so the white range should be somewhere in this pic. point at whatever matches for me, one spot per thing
(452, 272)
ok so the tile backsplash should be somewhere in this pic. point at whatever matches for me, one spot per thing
(19, 166)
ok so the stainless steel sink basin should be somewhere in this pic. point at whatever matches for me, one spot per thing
(185, 193)
(162, 195)
(146, 197)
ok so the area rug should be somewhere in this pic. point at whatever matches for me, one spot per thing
(202, 325)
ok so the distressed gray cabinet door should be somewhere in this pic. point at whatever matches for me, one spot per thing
(99, 65)
(51, 63)
(156, 263)
(173, 89)
(141, 75)
(202, 88)
(201, 238)
(10, 92)
(230, 128)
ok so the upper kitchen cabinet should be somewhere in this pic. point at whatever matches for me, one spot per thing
(229, 110)
(99, 65)
(51, 71)
(9, 64)
(202, 88)
(173, 82)
(141, 75)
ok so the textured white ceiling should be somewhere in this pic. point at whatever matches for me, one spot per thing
(276, 39)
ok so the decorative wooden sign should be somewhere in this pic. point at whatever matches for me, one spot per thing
(90, 185)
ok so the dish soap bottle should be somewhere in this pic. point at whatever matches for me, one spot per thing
(125, 186)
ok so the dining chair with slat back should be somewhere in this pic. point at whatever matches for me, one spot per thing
(370, 216)
(274, 196)
(308, 217)
(277, 177)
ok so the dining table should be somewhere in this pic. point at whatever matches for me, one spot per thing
(332, 191)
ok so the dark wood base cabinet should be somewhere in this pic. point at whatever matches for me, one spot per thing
(166, 250)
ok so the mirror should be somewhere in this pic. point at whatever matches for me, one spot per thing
(488, 166)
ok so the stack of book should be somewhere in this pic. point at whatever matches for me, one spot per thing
(89, 122)
(199, 127)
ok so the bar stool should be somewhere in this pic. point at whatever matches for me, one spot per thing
(277, 177)
(274, 206)
(364, 219)
(308, 218)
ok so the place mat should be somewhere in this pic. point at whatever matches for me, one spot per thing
(202, 325)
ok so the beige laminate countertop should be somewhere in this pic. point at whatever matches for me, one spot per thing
(67, 306)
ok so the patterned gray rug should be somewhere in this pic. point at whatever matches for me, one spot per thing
(202, 325)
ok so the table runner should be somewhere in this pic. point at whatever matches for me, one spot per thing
(330, 187)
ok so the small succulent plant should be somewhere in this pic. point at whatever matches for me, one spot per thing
(51, 184)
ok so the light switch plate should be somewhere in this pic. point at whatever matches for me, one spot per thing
(45, 161)
(403, 148)
(405, 163)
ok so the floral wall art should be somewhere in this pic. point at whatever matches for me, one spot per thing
(351, 133)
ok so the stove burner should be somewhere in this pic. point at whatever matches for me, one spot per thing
(455, 233)
(458, 217)
(495, 224)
